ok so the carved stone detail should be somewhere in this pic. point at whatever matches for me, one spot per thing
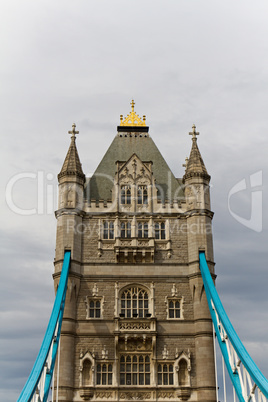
(135, 396)
(143, 243)
(165, 352)
(166, 394)
(174, 291)
(135, 344)
(86, 393)
(134, 171)
(107, 246)
(184, 393)
(161, 246)
(126, 243)
(134, 326)
(103, 394)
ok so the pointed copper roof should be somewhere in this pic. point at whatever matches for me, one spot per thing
(195, 165)
(72, 164)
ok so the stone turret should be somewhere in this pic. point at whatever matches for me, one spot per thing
(199, 232)
(197, 196)
(69, 237)
(195, 166)
(71, 178)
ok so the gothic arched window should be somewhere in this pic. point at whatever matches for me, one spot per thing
(104, 374)
(160, 230)
(142, 195)
(174, 308)
(134, 302)
(143, 230)
(125, 195)
(108, 230)
(165, 374)
(126, 230)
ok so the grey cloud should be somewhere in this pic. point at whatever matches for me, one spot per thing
(183, 63)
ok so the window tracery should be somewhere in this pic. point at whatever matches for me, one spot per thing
(125, 230)
(143, 230)
(104, 374)
(135, 370)
(165, 374)
(174, 308)
(160, 230)
(142, 194)
(134, 302)
(108, 230)
(125, 195)
(94, 307)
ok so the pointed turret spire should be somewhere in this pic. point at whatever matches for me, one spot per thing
(195, 165)
(72, 164)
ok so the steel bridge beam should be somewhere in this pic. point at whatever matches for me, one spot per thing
(248, 381)
(37, 386)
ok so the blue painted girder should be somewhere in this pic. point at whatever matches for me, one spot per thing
(242, 353)
(55, 319)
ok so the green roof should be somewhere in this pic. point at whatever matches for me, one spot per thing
(124, 145)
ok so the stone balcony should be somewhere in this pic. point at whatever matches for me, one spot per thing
(133, 250)
(135, 325)
(135, 334)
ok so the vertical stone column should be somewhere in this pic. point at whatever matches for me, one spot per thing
(199, 233)
(69, 236)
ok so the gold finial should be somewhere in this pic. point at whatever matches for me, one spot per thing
(194, 133)
(73, 132)
(132, 118)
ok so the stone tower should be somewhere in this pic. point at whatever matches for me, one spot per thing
(136, 323)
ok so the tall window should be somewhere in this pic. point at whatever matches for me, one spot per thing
(125, 195)
(160, 230)
(142, 195)
(165, 374)
(143, 230)
(174, 308)
(126, 230)
(135, 370)
(104, 374)
(134, 303)
(108, 230)
(94, 309)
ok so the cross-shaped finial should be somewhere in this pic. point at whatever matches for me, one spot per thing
(73, 132)
(132, 105)
(194, 133)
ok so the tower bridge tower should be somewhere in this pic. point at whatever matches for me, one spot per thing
(136, 323)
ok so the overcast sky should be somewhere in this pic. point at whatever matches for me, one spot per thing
(183, 62)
